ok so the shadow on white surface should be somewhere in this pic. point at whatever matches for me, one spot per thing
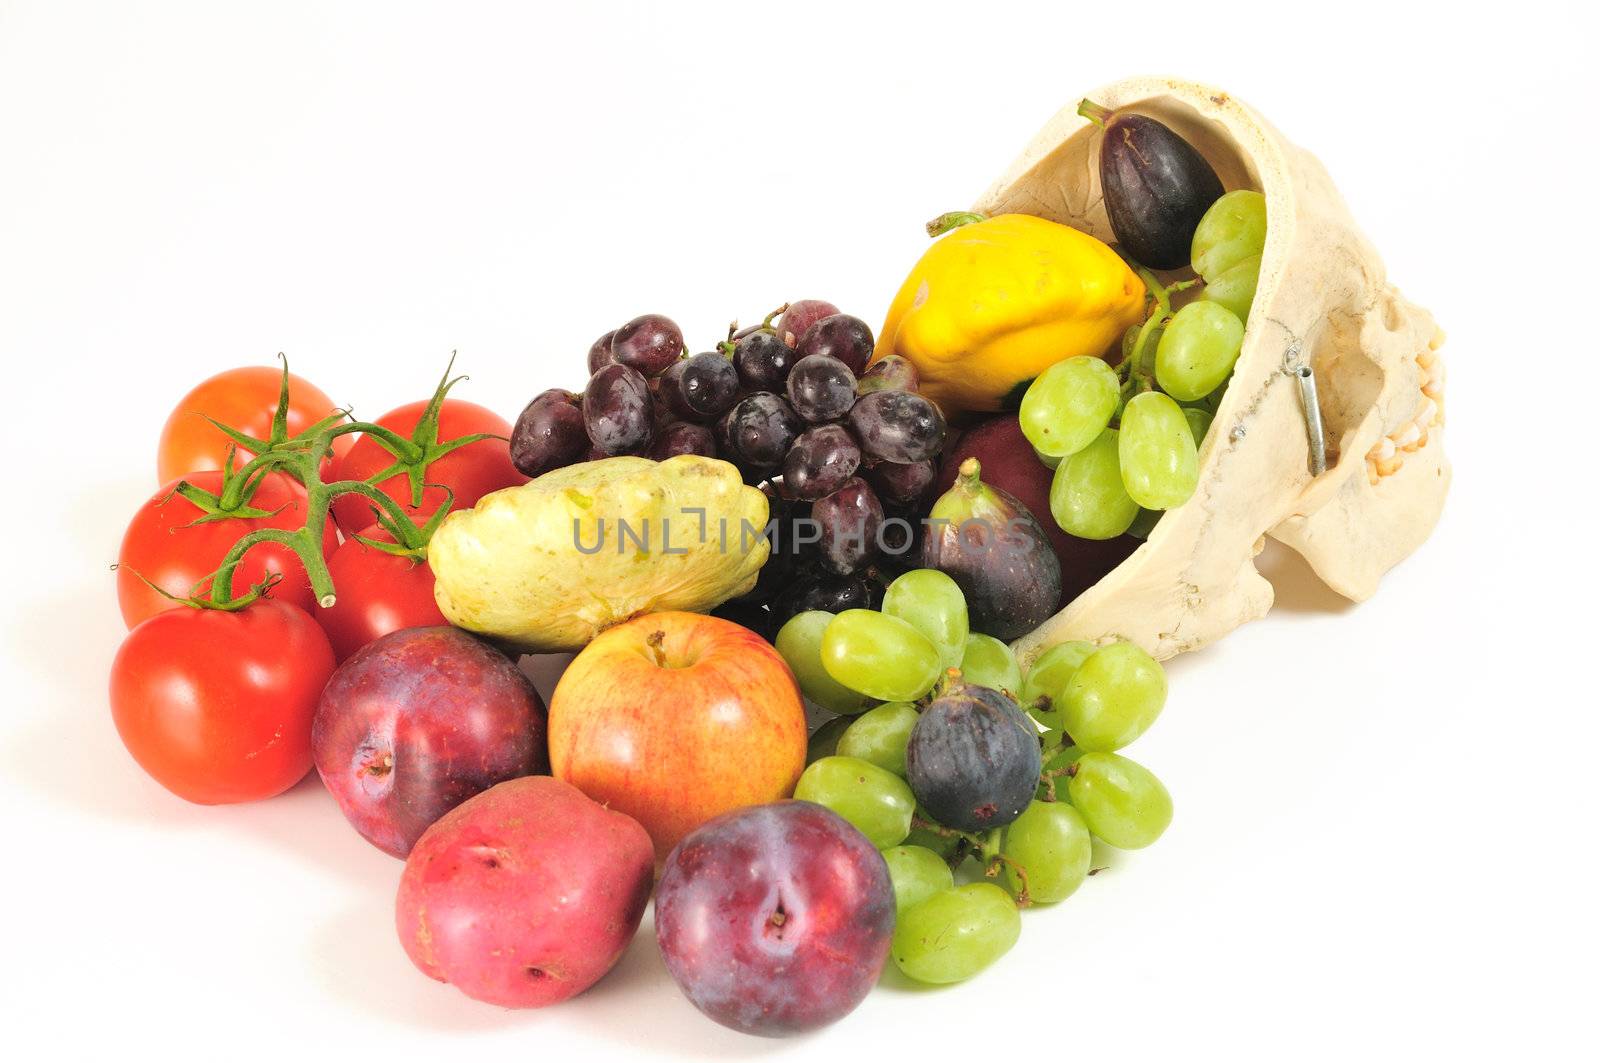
(358, 957)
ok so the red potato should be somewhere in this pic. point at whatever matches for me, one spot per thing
(525, 895)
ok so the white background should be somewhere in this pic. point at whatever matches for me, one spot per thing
(1386, 824)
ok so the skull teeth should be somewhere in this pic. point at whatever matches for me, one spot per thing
(1388, 454)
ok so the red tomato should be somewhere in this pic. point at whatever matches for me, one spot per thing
(217, 706)
(244, 398)
(470, 472)
(377, 593)
(159, 546)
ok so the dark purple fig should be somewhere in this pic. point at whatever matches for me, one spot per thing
(550, 433)
(997, 553)
(848, 521)
(973, 758)
(1157, 187)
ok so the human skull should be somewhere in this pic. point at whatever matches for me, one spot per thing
(1322, 301)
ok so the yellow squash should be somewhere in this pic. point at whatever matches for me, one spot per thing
(549, 565)
(993, 304)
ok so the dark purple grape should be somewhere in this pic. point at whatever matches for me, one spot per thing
(889, 373)
(749, 615)
(701, 387)
(681, 437)
(841, 336)
(549, 433)
(821, 460)
(831, 594)
(897, 426)
(600, 353)
(761, 428)
(1157, 187)
(648, 343)
(973, 758)
(617, 410)
(901, 484)
(821, 388)
(800, 315)
(848, 520)
(763, 360)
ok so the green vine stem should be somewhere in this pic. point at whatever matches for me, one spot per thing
(985, 848)
(302, 457)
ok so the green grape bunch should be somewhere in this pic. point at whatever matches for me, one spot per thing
(959, 893)
(1124, 441)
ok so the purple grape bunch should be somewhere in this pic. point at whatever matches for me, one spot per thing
(840, 447)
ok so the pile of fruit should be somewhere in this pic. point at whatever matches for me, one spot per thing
(844, 451)
(724, 537)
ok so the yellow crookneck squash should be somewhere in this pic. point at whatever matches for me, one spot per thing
(997, 301)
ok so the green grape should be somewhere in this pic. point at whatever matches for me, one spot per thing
(1068, 405)
(990, 663)
(1197, 350)
(1233, 229)
(879, 736)
(1160, 464)
(877, 803)
(1051, 843)
(1113, 697)
(1235, 288)
(1047, 680)
(799, 643)
(916, 874)
(1087, 495)
(1144, 523)
(825, 739)
(931, 602)
(1199, 423)
(881, 656)
(956, 933)
(1049, 461)
(1121, 801)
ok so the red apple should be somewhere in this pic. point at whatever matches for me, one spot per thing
(1010, 464)
(676, 718)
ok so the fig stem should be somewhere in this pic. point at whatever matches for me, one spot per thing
(1095, 113)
